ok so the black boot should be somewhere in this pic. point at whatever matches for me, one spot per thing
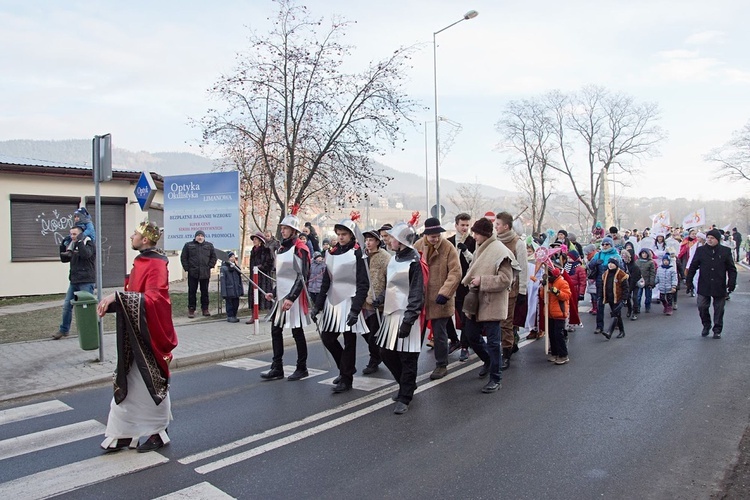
(300, 373)
(506, 359)
(275, 373)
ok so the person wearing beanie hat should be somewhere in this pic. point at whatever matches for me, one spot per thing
(634, 276)
(557, 295)
(575, 245)
(578, 282)
(230, 286)
(562, 238)
(198, 258)
(597, 266)
(82, 218)
(615, 291)
(666, 283)
(482, 227)
(80, 251)
(716, 280)
(443, 279)
(646, 265)
(489, 278)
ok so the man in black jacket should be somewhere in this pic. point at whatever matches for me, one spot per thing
(465, 245)
(737, 237)
(717, 279)
(198, 258)
(80, 251)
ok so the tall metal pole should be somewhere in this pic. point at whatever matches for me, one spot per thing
(469, 15)
(426, 170)
(437, 127)
(96, 164)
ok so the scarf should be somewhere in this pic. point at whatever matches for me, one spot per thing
(508, 238)
(487, 259)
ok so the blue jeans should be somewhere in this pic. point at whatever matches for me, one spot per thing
(489, 352)
(648, 298)
(67, 315)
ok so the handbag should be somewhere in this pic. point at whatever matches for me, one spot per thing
(641, 283)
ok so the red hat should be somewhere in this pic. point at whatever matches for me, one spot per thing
(555, 272)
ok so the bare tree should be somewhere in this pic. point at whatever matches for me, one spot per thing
(527, 131)
(312, 126)
(469, 198)
(614, 132)
(733, 158)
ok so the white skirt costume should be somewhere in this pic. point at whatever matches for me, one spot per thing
(288, 268)
(342, 271)
(396, 301)
(137, 415)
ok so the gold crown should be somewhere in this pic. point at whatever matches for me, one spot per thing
(149, 230)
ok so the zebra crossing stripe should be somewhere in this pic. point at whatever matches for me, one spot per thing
(32, 411)
(73, 476)
(204, 491)
(49, 438)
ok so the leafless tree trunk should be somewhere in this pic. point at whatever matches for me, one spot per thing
(527, 131)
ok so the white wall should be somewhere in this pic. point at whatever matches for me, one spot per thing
(45, 277)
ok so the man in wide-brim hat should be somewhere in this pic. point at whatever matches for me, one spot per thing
(440, 294)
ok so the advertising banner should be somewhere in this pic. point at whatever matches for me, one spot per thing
(695, 219)
(209, 202)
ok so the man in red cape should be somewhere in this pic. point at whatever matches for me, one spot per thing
(141, 405)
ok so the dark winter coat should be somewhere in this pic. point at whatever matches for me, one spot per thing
(317, 270)
(717, 270)
(82, 260)
(634, 274)
(471, 246)
(230, 280)
(198, 259)
(262, 257)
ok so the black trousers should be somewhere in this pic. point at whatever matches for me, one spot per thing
(345, 356)
(193, 288)
(373, 325)
(403, 367)
(277, 342)
(704, 303)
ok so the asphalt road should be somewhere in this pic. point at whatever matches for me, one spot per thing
(658, 414)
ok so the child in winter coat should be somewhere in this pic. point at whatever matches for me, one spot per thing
(317, 270)
(615, 291)
(230, 280)
(634, 276)
(666, 282)
(575, 269)
(647, 267)
(82, 218)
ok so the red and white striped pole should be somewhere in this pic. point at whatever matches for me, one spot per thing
(255, 300)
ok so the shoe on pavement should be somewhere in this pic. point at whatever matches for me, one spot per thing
(59, 335)
(464, 355)
(717, 335)
(705, 332)
(561, 360)
(206, 313)
(341, 387)
(400, 408)
(370, 369)
(273, 374)
(634, 317)
(338, 378)
(438, 373)
(485, 370)
(151, 444)
(298, 374)
(191, 313)
(491, 387)
(598, 331)
(607, 335)
(551, 358)
(621, 334)
(250, 321)
(118, 445)
(533, 334)
(648, 310)
(233, 320)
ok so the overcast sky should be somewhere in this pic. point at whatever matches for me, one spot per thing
(140, 70)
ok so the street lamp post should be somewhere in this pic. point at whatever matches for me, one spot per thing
(469, 15)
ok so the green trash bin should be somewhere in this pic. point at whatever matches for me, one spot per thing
(87, 321)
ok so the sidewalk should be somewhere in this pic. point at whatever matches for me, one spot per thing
(42, 366)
